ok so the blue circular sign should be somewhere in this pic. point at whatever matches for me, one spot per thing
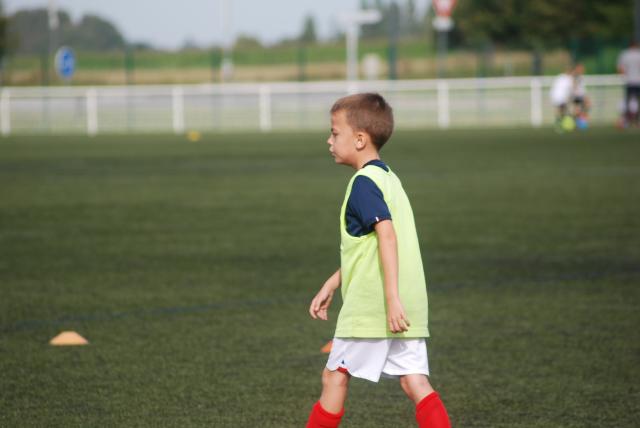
(65, 62)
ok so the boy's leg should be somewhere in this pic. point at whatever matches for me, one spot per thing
(416, 386)
(328, 411)
(334, 389)
(561, 111)
(430, 412)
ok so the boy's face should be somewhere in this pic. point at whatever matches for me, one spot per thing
(343, 141)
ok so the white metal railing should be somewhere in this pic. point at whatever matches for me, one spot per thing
(508, 101)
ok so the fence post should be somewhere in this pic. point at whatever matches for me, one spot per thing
(5, 112)
(92, 111)
(536, 102)
(265, 108)
(178, 109)
(443, 104)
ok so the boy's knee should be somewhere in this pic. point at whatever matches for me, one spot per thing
(334, 379)
(416, 386)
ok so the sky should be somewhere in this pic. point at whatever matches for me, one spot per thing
(169, 23)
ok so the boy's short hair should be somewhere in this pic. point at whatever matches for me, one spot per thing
(369, 113)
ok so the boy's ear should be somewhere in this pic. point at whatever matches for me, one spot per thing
(362, 139)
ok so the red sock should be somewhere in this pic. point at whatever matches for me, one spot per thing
(430, 412)
(320, 418)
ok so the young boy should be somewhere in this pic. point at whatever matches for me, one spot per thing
(382, 324)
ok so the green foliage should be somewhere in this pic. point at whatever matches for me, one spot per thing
(592, 31)
(308, 34)
(31, 29)
(246, 42)
(93, 33)
(397, 16)
(541, 23)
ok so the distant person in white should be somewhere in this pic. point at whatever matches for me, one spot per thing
(561, 93)
(629, 66)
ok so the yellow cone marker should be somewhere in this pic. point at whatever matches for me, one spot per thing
(68, 338)
(326, 349)
(194, 136)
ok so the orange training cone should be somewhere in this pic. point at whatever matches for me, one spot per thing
(68, 338)
(327, 348)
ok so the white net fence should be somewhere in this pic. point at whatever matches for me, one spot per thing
(489, 102)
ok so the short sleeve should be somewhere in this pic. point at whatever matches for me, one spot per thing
(366, 207)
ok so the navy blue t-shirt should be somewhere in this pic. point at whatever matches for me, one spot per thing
(366, 205)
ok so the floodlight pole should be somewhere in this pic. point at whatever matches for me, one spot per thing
(53, 24)
(226, 66)
(352, 22)
(393, 40)
(53, 27)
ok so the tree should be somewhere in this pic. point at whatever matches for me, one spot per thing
(308, 34)
(31, 29)
(245, 41)
(190, 44)
(541, 23)
(93, 33)
(4, 41)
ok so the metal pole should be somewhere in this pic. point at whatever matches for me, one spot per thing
(129, 65)
(393, 41)
(442, 54)
(302, 60)
(352, 23)
(352, 52)
(636, 20)
(216, 62)
(53, 27)
(226, 68)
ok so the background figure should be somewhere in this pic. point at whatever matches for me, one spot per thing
(629, 66)
(561, 93)
(580, 100)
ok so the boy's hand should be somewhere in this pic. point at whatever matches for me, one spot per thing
(396, 318)
(320, 303)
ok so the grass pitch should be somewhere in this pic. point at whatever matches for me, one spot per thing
(189, 268)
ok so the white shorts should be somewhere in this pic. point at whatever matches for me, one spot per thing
(370, 358)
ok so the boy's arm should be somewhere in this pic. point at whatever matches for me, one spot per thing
(388, 248)
(320, 303)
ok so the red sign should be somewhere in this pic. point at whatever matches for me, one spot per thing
(444, 7)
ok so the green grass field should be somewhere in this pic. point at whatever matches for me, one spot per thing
(189, 268)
